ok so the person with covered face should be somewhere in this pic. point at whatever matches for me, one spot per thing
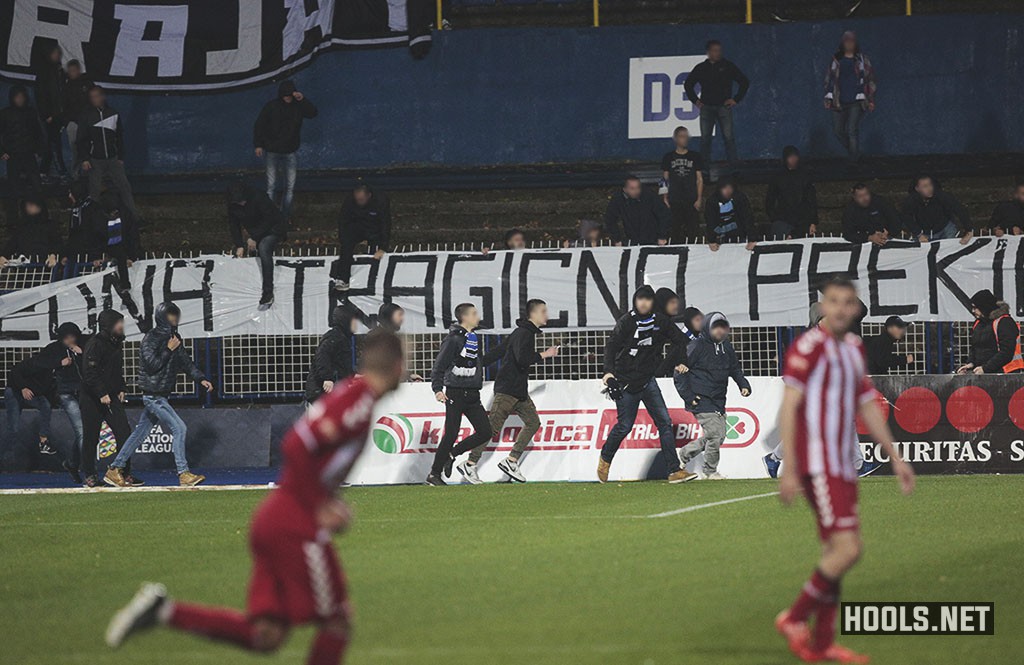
(276, 137)
(334, 357)
(365, 217)
(995, 338)
(161, 358)
(102, 394)
(712, 362)
(632, 357)
(689, 321)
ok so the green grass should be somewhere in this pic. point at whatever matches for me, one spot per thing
(541, 573)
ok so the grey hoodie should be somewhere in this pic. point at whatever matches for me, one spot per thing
(711, 364)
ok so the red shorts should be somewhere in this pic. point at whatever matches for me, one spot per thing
(834, 501)
(294, 579)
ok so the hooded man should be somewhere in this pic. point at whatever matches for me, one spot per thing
(689, 322)
(365, 217)
(87, 231)
(333, 360)
(880, 348)
(712, 362)
(103, 391)
(276, 137)
(791, 200)
(995, 338)
(252, 210)
(21, 137)
(391, 317)
(631, 360)
(34, 235)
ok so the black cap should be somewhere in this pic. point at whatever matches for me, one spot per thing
(896, 321)
(985, 301)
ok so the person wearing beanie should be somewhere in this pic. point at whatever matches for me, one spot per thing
(682, 186)
(791, 200)
(251, 210)
(849, 92)
(995, 338)
(334, 359)
(276, 137)
(880, 349)
(632, 356)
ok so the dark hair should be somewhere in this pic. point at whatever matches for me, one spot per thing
(378, 351)
(95, 86)
(361, 186)
(837, 282)
(460, 310)
(631, 176)
(712, 42)
(73, 63)
(680, 128)
(532, 304)
(858, 186)
(511, 233)
(923, 176)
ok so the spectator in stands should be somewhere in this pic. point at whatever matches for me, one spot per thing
(391, 317)
(87, 230)
(21, 137)
(277, 135)
(929, 213)
(682, 186)
(716, 77)
(636, 217)
(76, 103)
(728, 216)
(122, 238)
(589, 234)
(869, 218)
(103, 392)
(514, 239)
(334, 359)
(881, 348)
(365, 217)
(849, 91)
(50, 83)
(995, 338)
(791, 200)
(101, 149)
(1008, 216)
(252, 210)
(33, 235)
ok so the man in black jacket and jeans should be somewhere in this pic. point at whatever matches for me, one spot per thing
(791, 200)
(879, 348)
(252, 210)
(631, 360)
(333, 359)
(277, 135)
(636, 217)
(365, 217)
(101, 149)
(512, 391)
(716, 77)
(869, 218)
(930, 213)
(21, 137)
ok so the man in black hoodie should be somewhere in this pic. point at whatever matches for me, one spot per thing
(101, 149)
(791, 200)
(252, 210)
(276, 137)
(631, 360)
(391, 317)
(333, 360)
(76, 102)
(716, 77)
(21, 137)
(636, 217)
(87, 231)
(995, 338)
(512, 391)
(879, 348)
(869, 218)
(689, 322)
(929, 213)
(50, 82)
(34, 235)
(1008, 216)
(365, 217)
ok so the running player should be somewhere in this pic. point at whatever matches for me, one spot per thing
(826, 388)
(296, 575)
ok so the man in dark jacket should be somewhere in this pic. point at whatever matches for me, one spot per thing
(21, 137)
(716, 77)
(682, 186)
(50, 81)
(689, 323)
(252, 210)
(791, 200)
(87, 231)
(995, 338)
(101, 149)
(332, 361)
(33, 235)
(121, 235)
(365, 217)
(880, 348)
(636, 217)
(631, 359)
(103, 391)
(391, 317)
(512, 392)
(869, 218)
(69, 382)
(161, 358)
(1008, 216)
(277, 135)
(929, 213)
(728, 216)
(76, 102)
(712, 362)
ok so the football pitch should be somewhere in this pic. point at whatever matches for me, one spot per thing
(643, 573)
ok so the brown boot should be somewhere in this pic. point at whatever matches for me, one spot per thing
(114, 478)
(602, 470)
(681, 476)
(189, 479)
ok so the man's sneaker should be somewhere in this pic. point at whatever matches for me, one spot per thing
(511, 468)
(341, 285)
(867, 468)
(602, 470)
(133, 480)
(435, 480)
(114, 478)
(76, 477)
(189, 479)
(771, 465)
(468, 472)
(840, 654)
(46, 449)
(141, 613)
(681, 476)
(797, 634)
(266, 302)
(448, 467)
(714, 476)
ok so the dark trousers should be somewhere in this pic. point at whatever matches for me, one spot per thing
(54, 149)
(112, 170)
(626, 409)
(22, 180)
(686, 222)
(265, 251)
(710, 116)
(93, 414)
(846, 125)
(461, 402)
(348, 239)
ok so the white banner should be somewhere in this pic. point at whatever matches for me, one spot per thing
(575, 418)
(772, 285)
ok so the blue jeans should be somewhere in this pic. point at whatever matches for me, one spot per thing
(626, 409)
(74, 413)
(722, 117)
(156, 410)
(288, 163)
(15, 403)
(946, 232)
(846, 124)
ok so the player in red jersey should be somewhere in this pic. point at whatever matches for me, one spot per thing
(827, 387)
(296, 575)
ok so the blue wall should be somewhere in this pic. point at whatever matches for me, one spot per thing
(947, 84)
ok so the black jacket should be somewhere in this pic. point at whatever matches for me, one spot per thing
(729, 226)
(634, 351)
(716, 80)
(1008, 215)
(642, 221)
(711, 364)
(676, 354)
(920, 215)
(278, 127)
(158, 365)
(792, 198)
(989, 350)
(35, 236)
(371, 221)
(259, 216)
(879, 349)
(21, 130)
(50, 80)
(859, 223)
(519, 355)
(100, 134)
(87, 232)
(333, 358)
(37, 372)
(459, 366)
(76, 97)
(103, 361)
(69, 378)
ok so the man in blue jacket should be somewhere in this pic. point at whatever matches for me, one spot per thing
(161, 359)
(712, 361)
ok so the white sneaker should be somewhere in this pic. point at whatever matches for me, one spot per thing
(469, 472)
(142, 613)
(511, 467)
(714, 476)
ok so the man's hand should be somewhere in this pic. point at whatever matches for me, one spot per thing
(77, 349)
(415, 378)
(681, 369)
(910, 358)
(297, 96)
(5, 156)
(698, 205)
(664, 199)
(789, 487)
(378, 255)
(979, 370)
(121, 397)
(440, 396)
(751, 245)
(729, 103)
(259, 152)
(27, 394)
(963, 369)
(966, 237)
(871, 107)
(662, 241)
(606, 378)
(206, 384)
(173, 343)
(65, 361)
(105, 400)
(239, 252)
(905, 474)
(86, 165)
(251, 244)
(3, 261)
(549, 352)
(334, 516)
(877, 238)
(713, 247)
(922, 238)
(699, 104)
(745, 392)
(328, 386)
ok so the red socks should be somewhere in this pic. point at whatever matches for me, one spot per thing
(214, 622)
(825, 624)
(817, 592)
(328, 648)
